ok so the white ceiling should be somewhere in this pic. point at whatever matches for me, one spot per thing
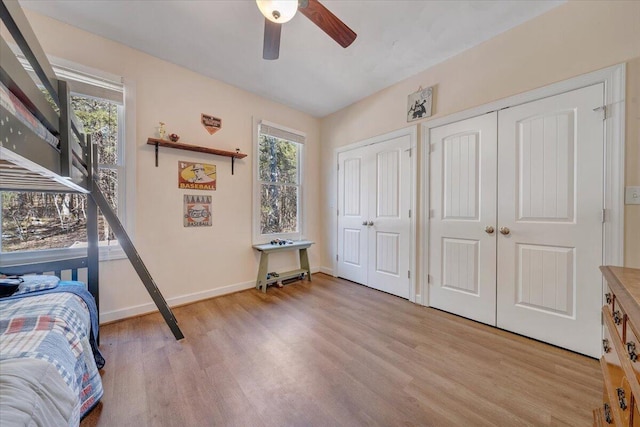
(222, 39)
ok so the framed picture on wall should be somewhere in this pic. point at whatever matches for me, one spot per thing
(197, 211)
(419, 104)
(196, 176)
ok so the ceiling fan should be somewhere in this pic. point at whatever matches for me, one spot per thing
(277, 12)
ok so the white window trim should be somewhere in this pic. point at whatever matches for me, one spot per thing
(259, 238)
(126, 194)
(126, 198)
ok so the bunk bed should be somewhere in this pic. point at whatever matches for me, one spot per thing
(49, 356)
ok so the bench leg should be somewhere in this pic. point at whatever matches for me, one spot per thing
(261, 281)
(304, 262)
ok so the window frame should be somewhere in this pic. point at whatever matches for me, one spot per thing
(257, 236)
(125, 167)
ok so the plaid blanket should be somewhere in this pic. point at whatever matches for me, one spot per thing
(56, 326)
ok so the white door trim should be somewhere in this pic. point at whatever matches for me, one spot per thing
(412, 132)
(615, 86)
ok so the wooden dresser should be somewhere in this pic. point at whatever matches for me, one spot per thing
(620, 364)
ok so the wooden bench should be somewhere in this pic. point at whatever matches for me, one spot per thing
(265, 249)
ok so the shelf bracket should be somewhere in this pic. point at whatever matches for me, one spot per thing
(156, 154)
(233, 159)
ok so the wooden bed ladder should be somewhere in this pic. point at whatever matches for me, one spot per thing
(127, 245)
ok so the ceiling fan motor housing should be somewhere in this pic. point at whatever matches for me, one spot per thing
(278, 11)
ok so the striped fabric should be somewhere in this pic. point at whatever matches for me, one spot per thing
(35, 283)
(54, 327)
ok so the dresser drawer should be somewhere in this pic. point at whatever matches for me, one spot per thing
(609, 297)
(617, 393)
(620, 361)
(632, 350)
(609, 347)
(605, 413)
(636, 414)
(619, 318)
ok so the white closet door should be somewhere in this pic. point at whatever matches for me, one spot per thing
(550, 197)
(352, 215)
(388, 215)
(374, 226)
(462, 255)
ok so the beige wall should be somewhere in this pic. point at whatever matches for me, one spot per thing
(632, 164)
(187, 264)
(573, 39)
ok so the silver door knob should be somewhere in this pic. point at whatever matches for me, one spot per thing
(505, 230)
(370, 223)
(489, 229)
(364, 222)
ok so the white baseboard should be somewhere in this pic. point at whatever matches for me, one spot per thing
(138, 310)
(326, 270)
(141, 309)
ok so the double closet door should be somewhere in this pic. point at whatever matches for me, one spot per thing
(374, 226)
(515, 228)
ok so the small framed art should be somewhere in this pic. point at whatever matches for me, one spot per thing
(197, 211)
(419, 104)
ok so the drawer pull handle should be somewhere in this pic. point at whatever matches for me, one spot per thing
(617, 318)
(605, 345)
(621, 399)
(608, 298)
(607, 413)
(631, 349)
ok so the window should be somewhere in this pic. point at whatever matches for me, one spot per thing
(42, 226)
(278, 187)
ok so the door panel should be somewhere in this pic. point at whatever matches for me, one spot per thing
(460, 265)
(352, 206)
(545, 278)
(460, 174)
(462, 256)
(389, 208)
(544, 151)
(550, 195)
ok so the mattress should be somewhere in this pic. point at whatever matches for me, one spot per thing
(55, 325)
(14, 106)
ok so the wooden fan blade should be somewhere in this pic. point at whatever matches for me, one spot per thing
(328, 22)
(271, 47)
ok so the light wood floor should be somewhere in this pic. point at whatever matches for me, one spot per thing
(333, 353)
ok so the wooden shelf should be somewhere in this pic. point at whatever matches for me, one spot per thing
(287, 275)
(189, 147)
(180, 146)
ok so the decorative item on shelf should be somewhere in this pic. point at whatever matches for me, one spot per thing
(210, 123)
(174, 137)
(197, 211)
(281, 242)
(162, 131)
(196, 176)
(419, 104)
